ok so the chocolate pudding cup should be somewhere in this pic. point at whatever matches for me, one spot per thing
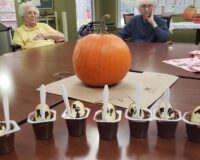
(107, 130)
(139, 127)
(76, 126)
(192, 129)
(167, 127)
(7, 139)
(42, 129)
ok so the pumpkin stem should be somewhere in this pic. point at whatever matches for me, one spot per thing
(102, 25)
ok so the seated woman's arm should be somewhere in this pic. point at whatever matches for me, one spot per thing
(59, 37)
(53, 34)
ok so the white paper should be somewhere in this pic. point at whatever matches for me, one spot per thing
(170, 9)
(122, 94)
(161, 3)
(36, 2)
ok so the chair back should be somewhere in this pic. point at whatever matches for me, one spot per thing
(127, 17)
(167, 19)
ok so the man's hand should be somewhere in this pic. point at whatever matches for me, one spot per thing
(151, 19)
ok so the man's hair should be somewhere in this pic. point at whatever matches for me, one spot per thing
(24, 6)
(141, 2)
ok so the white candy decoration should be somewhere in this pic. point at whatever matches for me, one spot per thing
(77, 109)
(170, 111)
(108, 110)
(110, 113)
(132, 111)
(38, 112)
(196, 115)
(42, 111)
(2, 129)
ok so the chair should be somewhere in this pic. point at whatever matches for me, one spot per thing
(167, 19)
(93, 27)
(6, 34)
(127, 17)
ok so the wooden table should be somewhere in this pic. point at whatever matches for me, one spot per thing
(62, 146)
(145, 56)
(27, 75)
(149, 57)
(43, 62)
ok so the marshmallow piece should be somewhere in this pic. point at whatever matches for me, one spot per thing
(132, 109)
(2, 128)
(109, 112)
(196, 115)
(170, 111)
(38, 112)
(77, 109)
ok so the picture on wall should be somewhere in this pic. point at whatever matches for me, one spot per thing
(43, 4)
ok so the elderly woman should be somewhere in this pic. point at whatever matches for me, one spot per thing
(33, 34)
(146, 27)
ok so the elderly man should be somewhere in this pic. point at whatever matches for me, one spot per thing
(33, 34)
(146, 27)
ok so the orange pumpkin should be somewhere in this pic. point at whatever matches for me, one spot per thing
(190, 12)
(101, 59)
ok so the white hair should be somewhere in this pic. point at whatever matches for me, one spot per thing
(141, 2)
(24, 6)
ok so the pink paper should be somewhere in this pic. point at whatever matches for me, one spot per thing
(189, 64)
(195, 52)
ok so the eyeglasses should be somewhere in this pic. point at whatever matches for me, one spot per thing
(144, 6)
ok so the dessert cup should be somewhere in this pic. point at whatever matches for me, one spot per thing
(76, 126)
(107, 130)
(42, 129)
(7, 138)
(167, 127)
(192, 129)
(139, 127)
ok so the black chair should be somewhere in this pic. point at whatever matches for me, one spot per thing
(6, 36)
(167, 19)
(127, 17)
(94, 27)
(15, 47)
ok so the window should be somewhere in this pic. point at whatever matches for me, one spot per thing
(7, 13)
(124, 7)
(84, 12)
